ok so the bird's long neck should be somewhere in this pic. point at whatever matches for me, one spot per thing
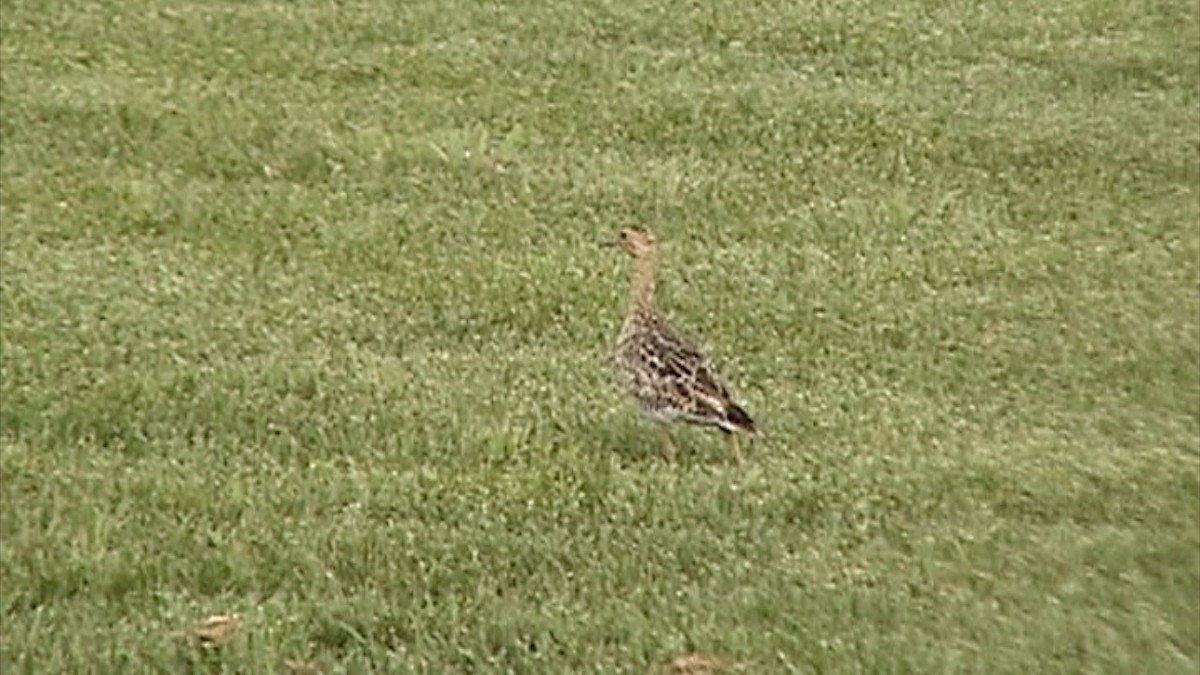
(642, 289)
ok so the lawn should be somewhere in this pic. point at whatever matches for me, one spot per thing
(305, 316)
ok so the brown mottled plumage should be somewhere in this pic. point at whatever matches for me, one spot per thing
(669, 376)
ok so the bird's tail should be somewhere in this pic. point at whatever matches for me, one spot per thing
(739, 419)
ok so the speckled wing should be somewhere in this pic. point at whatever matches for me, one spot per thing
(677, 379)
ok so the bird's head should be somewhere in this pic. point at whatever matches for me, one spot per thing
(637, 241)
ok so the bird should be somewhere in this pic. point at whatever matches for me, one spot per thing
(668, 376)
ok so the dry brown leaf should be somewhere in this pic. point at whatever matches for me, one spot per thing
(695, 663)
(215, 630)
(300, 667)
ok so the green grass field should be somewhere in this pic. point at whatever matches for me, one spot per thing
(305, 317)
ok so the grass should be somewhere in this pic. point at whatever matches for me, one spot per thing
(304, 318)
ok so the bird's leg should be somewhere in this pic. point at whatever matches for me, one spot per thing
(668, 444)
(736, 446)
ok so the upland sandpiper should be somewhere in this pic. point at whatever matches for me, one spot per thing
(667, 374)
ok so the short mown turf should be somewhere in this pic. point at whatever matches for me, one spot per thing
(304, 316)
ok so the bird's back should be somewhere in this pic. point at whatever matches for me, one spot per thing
(670, 377)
